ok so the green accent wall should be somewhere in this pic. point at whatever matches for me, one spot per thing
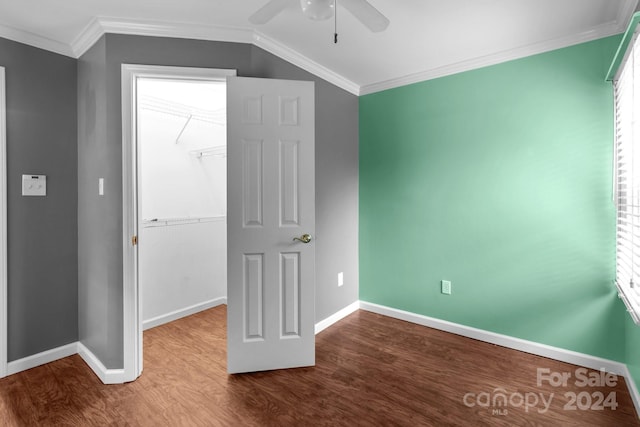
(500, 180)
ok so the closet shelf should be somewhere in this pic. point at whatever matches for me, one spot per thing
(218, 151)
(167, 222)
(159, 105)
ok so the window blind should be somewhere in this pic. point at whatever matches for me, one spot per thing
(627, 180)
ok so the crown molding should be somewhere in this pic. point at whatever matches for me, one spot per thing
(35, 40)
(295, 58)
(601, 31)
(87, 38)
(179, 30)
(102, 25)
(627, 8)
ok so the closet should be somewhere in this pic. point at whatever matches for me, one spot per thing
(181, 197)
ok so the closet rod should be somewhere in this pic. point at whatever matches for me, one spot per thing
(184, 127)
(166, 222)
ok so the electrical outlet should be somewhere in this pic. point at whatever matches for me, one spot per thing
(446, 287)
(340, 279)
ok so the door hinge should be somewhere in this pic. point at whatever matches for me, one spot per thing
(134, 240)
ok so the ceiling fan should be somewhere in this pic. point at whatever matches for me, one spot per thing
(320, 10)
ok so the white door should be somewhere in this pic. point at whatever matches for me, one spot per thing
(271, 201)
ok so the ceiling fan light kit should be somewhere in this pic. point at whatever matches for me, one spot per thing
(320, 10)
(317, 10)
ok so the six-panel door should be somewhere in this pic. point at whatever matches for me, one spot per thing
(271, 201)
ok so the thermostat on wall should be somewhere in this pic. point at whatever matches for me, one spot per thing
(34, 185)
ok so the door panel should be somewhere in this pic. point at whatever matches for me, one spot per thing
(290, 291)
(289, 160)
(271, 201)
(254, 297)
(252, 188)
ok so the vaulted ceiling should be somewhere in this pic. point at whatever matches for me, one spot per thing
(426, 38)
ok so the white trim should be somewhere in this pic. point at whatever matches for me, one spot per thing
(35, 40)
(132, 315)
(633, 389)
(337, 316)
(599, 32)
(3, 225)
(117, 376)
(42, 358)
(628, 305)
(102, 25)
(107, 376)
(132, 321)
(531, 347)
(284, 52)
(627, 8)
(180, 30)
(184, 312)
(555, 353)
(87, 38)
(181, 73)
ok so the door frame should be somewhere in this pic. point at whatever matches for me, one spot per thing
(3, 226)
(132, 313)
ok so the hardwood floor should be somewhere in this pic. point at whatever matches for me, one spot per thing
(370, 370)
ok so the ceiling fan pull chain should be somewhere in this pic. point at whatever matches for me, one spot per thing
(335, 21)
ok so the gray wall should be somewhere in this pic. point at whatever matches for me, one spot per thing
(336, 177)
(42, 233)
(99, 218)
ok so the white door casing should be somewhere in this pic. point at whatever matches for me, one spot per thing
(271, 200)
(132, 314)
(3, 226)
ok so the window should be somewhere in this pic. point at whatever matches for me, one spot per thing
(627, 179)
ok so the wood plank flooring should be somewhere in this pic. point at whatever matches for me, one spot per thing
(371, 371)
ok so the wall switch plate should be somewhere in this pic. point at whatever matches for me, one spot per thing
(340, 279)
(34, 185)
(446, 287)
(100, 186)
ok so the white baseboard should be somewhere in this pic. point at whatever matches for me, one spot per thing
(116, 376)
(42, 358)
(324, 324)
(531, 347)
(175, 315)
(107, 376)
(633, 390)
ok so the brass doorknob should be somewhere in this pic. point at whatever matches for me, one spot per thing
(305, 238)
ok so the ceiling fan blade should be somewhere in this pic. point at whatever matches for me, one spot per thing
(367, 14)
(268, 11)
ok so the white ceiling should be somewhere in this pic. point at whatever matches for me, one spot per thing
(426, 38)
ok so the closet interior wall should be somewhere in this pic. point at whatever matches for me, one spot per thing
(182, 197)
